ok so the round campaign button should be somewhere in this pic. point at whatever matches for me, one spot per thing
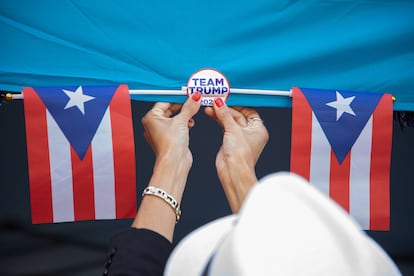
(211, 84)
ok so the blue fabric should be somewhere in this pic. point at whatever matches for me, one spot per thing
(331, 44)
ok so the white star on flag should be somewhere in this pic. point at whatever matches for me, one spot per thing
(77, 98)
(342, 105)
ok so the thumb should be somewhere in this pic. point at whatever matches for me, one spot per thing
(223, 114)
(190, 107)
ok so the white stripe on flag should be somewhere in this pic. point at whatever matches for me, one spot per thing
(320, 162)
(60, 165)
(103, 168)
(359, 190)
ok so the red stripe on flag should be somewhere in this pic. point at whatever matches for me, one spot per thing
(124, 153)
(380, 164)
(301, 138)
(339, 180)
(38, 157)
(83, 188)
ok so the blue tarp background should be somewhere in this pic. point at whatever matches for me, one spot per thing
(263, 44)
(338, 44)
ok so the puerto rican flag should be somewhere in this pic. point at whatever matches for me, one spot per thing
(81, 153)
(341, 142)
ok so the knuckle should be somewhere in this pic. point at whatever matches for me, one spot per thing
(144, 120)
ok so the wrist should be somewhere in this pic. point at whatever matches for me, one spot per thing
(154, 213)
(237, 180)
(241, 172)
(170, 175)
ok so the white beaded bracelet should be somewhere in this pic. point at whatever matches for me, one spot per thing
(151, 190)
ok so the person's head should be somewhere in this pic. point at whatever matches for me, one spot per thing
(285, 227)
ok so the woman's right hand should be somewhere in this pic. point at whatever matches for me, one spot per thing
(166, 129)
(243, 141)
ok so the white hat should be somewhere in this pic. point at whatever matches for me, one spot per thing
(285, 227)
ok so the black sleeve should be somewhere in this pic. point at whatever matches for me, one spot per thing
(137, 252)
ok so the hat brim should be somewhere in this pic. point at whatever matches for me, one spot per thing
(194, 251)
(284, 221)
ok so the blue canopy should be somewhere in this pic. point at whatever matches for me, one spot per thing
(365, 46)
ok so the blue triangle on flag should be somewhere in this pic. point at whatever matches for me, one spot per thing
(342, 128)
(78, 119)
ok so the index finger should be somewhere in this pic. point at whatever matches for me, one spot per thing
(237, 116)
(165, 109)
(248, 112)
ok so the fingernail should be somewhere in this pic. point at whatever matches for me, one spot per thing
(219, 102)
(196, 96)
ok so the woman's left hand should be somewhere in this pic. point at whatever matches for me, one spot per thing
(244, 138)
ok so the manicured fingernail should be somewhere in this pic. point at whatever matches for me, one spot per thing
(191, 122)
(196, 96)
(219, 102)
